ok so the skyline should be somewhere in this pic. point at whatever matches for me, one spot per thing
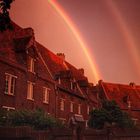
(98, 26)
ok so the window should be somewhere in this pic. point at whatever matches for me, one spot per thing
(129, 104)
(73, 85)
(79, 109)
(62, 104)
(31, 64)
(10, 82)
(46, 95)
(71, 106)
(88, 109)
(30, 90)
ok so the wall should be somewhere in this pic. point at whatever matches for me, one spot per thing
(26, 133)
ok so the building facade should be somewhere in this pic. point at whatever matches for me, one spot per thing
(31, 77)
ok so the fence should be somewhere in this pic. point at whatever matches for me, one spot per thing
(26, 133)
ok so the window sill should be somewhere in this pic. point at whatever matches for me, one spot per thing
(30, 99)
(46, 102)
(9, 94)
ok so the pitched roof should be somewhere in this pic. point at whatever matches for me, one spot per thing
(123, 94)
(57, 66)
(14, 45)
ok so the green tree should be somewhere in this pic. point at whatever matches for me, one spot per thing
(110, 113)
(5, 21)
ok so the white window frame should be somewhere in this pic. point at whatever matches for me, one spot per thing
(71, 106)
(71, 85)
(8, 108)
(59, 81)
(9, 86)
(46, 95)
(62, 104)
(88, 109)
(79, 108)
(31, 64)
(30, 90)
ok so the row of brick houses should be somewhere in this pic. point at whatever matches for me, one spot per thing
(31, 77)
(126, 96)
(34, 77)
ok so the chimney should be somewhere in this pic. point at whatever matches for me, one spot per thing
(132, 84)
(26, 32)
(81, 71)
(61, 55)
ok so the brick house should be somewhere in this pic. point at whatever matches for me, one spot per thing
(126, 96)
(31, 76)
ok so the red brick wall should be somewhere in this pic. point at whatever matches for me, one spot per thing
(19, 100)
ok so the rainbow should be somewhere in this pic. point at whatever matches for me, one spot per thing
(76, 33)
(128, 38)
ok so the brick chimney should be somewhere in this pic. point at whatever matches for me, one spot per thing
(81, 71)
(22, 33)
(61, 55)
(132, 84)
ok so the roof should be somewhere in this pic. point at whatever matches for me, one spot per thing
(124, 95)
(59, 67)
(14, 46)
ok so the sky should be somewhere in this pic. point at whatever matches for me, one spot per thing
(101, 36)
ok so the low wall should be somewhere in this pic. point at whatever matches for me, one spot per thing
(112, 134)
(15, 133)
(124, 134)
(91, 134)
(27, 133)
(53, 134)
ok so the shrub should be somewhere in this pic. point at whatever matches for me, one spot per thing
(110, 113)
(3, 117)
(37, 119)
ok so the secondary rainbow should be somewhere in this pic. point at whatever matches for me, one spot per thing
(128, 38)
(78, 36)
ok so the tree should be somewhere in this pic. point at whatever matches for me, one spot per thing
(5, 21)
(110, 113)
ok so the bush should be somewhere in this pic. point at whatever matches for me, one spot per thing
(3, 117)
(37, 119)
(110, 114)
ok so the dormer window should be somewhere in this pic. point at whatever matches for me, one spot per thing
(62, 104)
(88, 110)
(73, 85)
(129, 104)
(71, 106)
(79, 108)
(59, 80)
(31, 64)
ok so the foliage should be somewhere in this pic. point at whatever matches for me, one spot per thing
(5, 21)
(110, 114)
(37, 119)
(3, 117)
